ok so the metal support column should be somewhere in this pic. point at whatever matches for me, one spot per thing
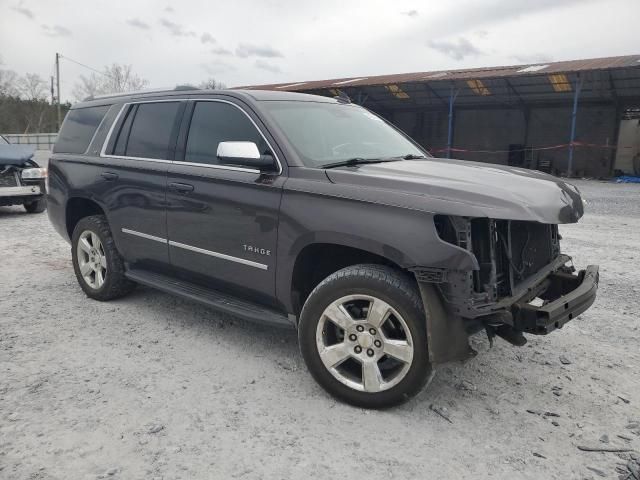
(452, 98)
(574, 114)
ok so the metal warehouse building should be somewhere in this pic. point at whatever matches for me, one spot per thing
(579, 117)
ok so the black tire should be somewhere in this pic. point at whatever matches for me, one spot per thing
(397, 289)
(115, 284)
(37, 206)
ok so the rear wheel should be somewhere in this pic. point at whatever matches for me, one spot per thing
(97, 263)
(363, 337)
(37, 206)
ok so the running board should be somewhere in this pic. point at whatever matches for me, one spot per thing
(212, 298)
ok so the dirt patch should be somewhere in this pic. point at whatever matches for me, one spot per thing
(152, 386)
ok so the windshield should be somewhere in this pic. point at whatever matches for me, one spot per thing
(325, 133)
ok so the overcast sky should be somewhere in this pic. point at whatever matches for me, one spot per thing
(243, 42)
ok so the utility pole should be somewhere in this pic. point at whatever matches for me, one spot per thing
(58, 88)
(53, 95)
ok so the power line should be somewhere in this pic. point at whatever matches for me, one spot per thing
(85, 66)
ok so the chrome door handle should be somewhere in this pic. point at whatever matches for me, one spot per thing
(182, 188)
(109, 177)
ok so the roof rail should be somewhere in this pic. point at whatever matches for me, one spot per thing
(185, 87)
(140, 92)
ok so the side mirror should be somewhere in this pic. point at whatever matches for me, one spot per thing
(245, 154)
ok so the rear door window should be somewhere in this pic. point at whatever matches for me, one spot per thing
(151, 130)
(121, 140)
(215, 122)
(78, 129)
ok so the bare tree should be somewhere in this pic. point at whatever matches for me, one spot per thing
(23, 103)
(113, 79)
(120, 78)
(211, 84)
(33, 92)
(87, 87)
(30, 93)
(32, 87)
(8, 82)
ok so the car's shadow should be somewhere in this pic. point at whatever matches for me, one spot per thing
(279, 345)
(214, 323)
(13, 211)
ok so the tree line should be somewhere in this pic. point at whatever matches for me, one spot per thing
(24, 104)
(27, 107)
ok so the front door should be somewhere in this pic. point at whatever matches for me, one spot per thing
(222, 221)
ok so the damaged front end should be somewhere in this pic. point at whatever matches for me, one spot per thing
(522, 284)
(22, 181)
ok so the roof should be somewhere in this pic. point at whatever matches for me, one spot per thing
(182, 92)
(274, 95)
(611, 76)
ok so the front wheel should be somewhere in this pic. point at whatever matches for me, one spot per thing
(363, 336)
(37, 206)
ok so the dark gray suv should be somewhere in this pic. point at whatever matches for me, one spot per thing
(304, 211)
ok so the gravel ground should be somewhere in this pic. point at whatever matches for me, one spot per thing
(152, 386)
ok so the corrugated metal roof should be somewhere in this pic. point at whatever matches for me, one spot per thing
(533, 69)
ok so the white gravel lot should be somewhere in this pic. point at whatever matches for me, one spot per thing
(151, 386)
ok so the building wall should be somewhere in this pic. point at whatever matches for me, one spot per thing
(594, 125)
(495, 129)
(427, 127)
(488, 130)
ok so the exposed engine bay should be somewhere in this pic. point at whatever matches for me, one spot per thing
(522, 284)
(508, 252)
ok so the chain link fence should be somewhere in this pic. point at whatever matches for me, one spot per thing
(42, 141)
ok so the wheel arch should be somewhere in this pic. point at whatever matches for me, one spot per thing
(315, 260)
(77, 208)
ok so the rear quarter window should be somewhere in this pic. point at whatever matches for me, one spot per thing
(78, 129)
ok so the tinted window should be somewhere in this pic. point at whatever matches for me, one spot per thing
(215, 122)
(123, 135)
(78, 128)
(151, 130)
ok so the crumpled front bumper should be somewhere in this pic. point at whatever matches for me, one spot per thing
(566, 296)
(551, 298)
(21, 194)
(20, 191)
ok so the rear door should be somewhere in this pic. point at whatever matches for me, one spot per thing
(223, 220)
(132, 180)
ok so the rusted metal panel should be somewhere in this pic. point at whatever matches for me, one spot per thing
(439, 76)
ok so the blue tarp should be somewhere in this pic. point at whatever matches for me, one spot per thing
(16, 154)
(627, 179)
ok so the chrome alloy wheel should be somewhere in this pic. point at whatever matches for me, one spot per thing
(365, 343)
(92, 260)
